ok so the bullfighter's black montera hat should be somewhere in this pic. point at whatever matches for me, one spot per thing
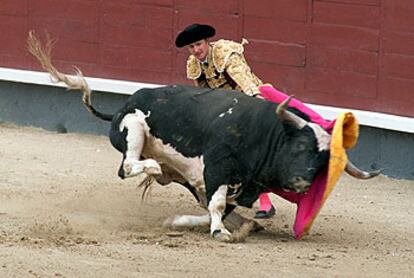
(193, 33)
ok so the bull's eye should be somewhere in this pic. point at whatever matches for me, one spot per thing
(301, 147)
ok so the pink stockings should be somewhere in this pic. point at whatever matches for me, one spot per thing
(265, 203)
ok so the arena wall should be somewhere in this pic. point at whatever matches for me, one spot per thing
(355, 54)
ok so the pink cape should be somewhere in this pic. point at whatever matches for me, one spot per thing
(309, 203)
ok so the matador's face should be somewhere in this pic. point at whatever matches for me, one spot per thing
(199, 49)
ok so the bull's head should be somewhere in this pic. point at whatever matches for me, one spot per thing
(305, 150)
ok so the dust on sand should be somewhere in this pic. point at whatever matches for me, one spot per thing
(64, 213)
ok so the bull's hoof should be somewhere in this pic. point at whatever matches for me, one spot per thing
(127, 169)
(152, 168)
(222, 236)
(132, 168)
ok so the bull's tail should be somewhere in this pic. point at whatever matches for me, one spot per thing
(44, 54)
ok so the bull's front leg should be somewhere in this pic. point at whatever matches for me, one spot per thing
(195, 184)
(219, 172)
(216, 208)
(136, 129)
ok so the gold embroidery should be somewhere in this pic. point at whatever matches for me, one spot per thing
(222, 49)
(241, 73)
(227, 68)
(193, 68)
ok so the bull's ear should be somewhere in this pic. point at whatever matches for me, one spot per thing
(289, 117)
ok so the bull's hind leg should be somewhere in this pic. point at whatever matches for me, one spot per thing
(186, 221)
(137, 131)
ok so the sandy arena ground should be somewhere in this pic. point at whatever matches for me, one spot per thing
(65, 213)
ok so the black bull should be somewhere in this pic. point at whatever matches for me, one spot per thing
(224, 146)
(243, 146)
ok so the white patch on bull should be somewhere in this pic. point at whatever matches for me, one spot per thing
(216, 208)
(138, 116)
(236, 100)
(137, 132)
(229, 111)
(323, 137)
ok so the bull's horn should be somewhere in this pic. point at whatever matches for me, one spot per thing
(354, 171)
(288, 116)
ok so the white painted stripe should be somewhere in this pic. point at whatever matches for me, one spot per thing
(96, 84)
(366, 118)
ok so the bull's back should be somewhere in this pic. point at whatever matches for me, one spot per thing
(187, 117)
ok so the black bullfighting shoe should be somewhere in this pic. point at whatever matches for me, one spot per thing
(262, 214)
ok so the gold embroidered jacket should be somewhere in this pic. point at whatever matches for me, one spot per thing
(226, 68)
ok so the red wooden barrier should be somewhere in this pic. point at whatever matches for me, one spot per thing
(344, 53)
